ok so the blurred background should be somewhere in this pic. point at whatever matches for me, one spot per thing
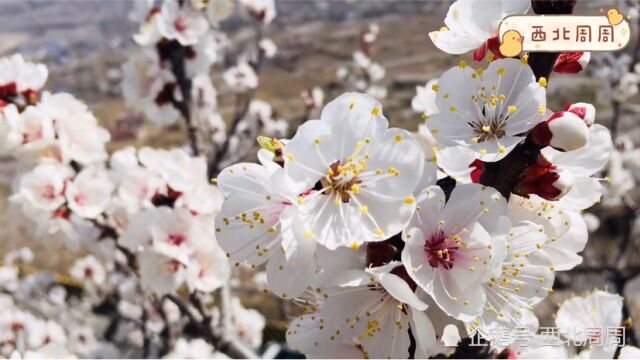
(84, 43)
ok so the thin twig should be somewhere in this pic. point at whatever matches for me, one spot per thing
(176, 56)
(242, 107)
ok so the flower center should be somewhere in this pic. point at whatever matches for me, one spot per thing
(341, 180)
(492, 123)
(440, 250)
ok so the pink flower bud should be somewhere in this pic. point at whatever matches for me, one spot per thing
(571, 62)
(585, 111)
(544, 180)
(564, 131)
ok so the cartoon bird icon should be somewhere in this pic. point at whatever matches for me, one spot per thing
(511, 44)
(614, 17)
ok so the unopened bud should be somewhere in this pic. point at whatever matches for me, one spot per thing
(544, 180)
(571, 62)
(269, 144)
(585, 111)
(274, 146)
(564, 131)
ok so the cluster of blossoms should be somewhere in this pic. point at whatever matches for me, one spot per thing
(167, 204)
(167, 77)
(392, 239)
(395, 244)
(363, 74)
(469, 256)
(60, 148)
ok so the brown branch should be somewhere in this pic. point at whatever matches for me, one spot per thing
(222, 341)
(242, 107)
(176, 54)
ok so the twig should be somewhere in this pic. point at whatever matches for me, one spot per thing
(146, 343)
(242, 107)
(224, 342)
(176, 56)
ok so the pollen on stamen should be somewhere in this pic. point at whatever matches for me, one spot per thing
(409, 200)
(543, 81)
(214, 181)
(290, 157)
(308, 234)
(512, 109)
(435, 88)
(375, 111)
(397, 138)
(352, 105)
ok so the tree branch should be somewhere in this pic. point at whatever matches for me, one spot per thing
(176, 55)
(222, 341)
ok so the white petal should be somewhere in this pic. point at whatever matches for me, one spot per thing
(400, 290)
(424, 334)
(587, 160)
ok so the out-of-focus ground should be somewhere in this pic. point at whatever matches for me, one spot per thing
(84, 43)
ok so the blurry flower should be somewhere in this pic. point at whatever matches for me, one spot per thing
(241, 78)
(262, 10)
(81, 138)
(598, 310)
(313, 98)
(10, 136)
(18, 76)
(248, 324)
(88, 269)
(192, 349)
(20, 256)
(43, 188)
(89, 193)
(147, 87)
(268, 47)
(425, 100)
(592, 221)
(181, 22)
